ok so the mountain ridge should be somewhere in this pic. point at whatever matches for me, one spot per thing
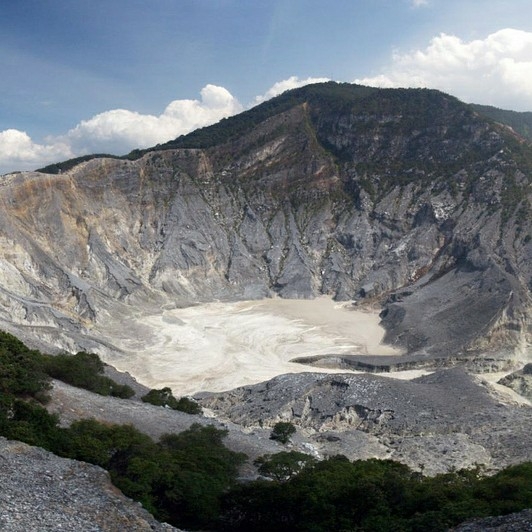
(521, 122)
(419, 207)
(342, 93)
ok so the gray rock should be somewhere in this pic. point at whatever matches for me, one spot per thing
(520, 381)
(516, 522)
(43, 492)
(72, 404)
(436, 423)
(290, 208)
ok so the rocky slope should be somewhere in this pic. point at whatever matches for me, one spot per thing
(519, 122)
(41, 491)
(440, 422)
(520, 381)
(405, 196)
(517, 522)
(72, 404)
(434, 423)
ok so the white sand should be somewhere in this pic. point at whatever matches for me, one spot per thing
(220, 346)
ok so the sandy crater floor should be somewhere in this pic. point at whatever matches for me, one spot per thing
(220, 346)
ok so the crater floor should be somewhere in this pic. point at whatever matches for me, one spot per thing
(220, 346)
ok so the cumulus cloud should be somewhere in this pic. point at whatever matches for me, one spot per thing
(496, 70)
(120, 130)
(19, 152)
(292, 82)
(117, 131)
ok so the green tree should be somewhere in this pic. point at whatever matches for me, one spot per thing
(196, 474)
(85, 370)
(282, 431)
(21, 370)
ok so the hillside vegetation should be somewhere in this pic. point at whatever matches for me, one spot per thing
(520, 122)
(330, 97)
(189, 479)
(179, 479)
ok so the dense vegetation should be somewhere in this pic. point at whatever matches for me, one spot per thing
(58, 168)
(335, 94)
(519, 122)
(189, 479)
(332, 98)
(84, 370)
(370, 495)
(179, 479)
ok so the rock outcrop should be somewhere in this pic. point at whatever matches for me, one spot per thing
(41, 491)
(516, 522)
(520, 381)
(73, 404)
(434, 423)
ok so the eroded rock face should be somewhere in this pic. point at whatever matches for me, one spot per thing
(520, 381)
(41, 491)
(406, 197)
(434, 423)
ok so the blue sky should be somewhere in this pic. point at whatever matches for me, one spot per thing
(80, 76)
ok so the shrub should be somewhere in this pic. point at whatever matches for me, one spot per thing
(164, 397)
(284, 465)
(282, 431)
(21, 369)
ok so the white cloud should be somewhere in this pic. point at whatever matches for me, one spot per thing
(19, 152)
(292, 82)
(117, 131)
(419, 3)
(120, 130)
(496, 70)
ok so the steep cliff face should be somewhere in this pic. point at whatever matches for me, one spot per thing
(408, 198)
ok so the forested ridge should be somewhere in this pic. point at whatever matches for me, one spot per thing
(326, 99)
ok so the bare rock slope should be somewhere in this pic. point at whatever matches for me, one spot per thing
(406, 197)
(516, 522)
(435, 423)
(520, 381)
(43, 492)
